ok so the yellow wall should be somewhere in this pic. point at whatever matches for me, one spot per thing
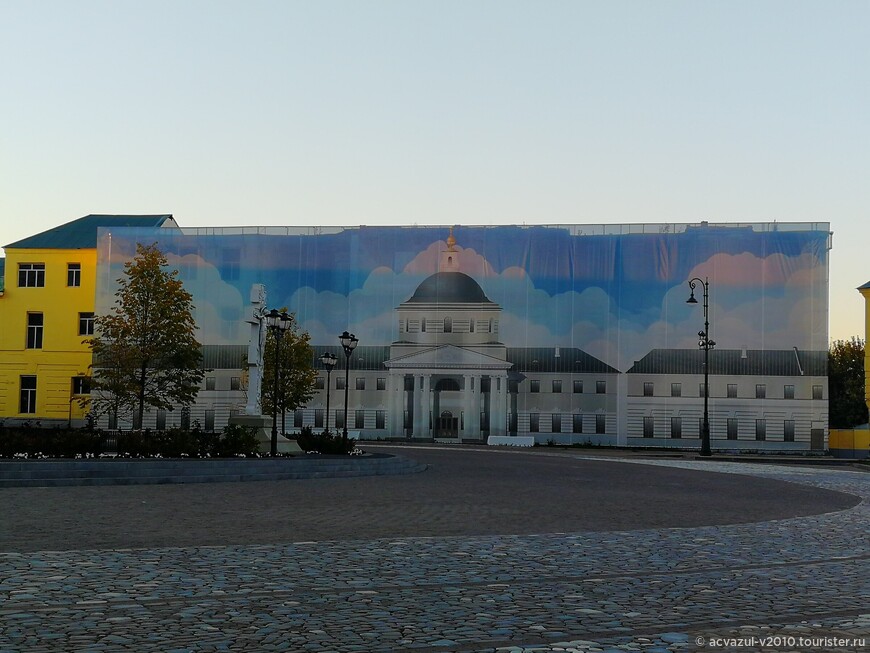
(866, 294)
(63, 355)
(852, 443)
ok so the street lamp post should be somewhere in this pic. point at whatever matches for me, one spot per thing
(277, 323)
(705, 343)
(348, 343)
(329, 361)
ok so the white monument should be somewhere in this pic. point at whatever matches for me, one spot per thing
(253, 408)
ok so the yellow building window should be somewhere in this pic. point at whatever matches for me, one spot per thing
(28, 395)
(74, 275)
(31, 275)
(34, 330)
(86, 324)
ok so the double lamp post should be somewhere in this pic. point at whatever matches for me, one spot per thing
(706, 344)
(329, 361)
(277, 323)
(348, 344)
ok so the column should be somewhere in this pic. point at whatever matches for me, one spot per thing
(417, 399)
(426, 403)
(465, 431)
(475, 406)
(498, 406)
(396, 405)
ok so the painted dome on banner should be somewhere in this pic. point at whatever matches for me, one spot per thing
(449, 288)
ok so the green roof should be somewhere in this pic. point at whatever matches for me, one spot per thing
(82, 233)
(524, 359)
(734, 362)
(565, 360)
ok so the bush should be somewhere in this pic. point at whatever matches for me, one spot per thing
(235, 440)
(325, 442)
(175, 443)
(57, 443)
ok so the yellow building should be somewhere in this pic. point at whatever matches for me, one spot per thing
(47, 297)
(865, 292)
(855, 443)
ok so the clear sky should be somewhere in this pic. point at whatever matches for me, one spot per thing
(347, 113)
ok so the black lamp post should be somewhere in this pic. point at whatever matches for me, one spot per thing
(329, 361)
(277, 323)
(706, 344)
(348, 343)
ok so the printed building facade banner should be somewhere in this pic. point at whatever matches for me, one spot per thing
(477, 331)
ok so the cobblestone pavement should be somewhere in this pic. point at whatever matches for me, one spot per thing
(794, 584)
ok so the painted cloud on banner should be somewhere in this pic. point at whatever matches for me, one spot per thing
(615, 295)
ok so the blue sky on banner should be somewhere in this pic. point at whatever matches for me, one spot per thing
(615, 296)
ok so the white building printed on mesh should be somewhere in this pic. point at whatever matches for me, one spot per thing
(449, 378)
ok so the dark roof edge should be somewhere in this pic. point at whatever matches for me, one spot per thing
(81, 233)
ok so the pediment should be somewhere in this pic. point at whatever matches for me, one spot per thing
(447, 357)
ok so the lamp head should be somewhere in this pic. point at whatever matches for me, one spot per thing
(348, 342)
(272, 318)
(691, 299)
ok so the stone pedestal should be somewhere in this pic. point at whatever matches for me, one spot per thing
(263, 426)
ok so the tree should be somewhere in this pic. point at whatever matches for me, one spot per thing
(297, 373)
(145, 351)
(846, 407)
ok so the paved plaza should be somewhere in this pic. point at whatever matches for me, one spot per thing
(483, 551)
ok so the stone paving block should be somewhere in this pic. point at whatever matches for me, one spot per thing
(633, 590)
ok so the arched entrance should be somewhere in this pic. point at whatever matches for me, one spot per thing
(447, 406)
(446, 426)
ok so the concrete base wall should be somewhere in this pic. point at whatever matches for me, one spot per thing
(53, 473)
(512, 440)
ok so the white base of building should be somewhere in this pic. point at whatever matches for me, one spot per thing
(512, 440)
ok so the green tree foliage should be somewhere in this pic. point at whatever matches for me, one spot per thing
(297, 373)
(846, 406)
(145, 350)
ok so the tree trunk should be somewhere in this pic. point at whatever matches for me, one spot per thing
(141, 407)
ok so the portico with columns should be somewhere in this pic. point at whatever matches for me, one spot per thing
(448, 393)
(448, 372)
